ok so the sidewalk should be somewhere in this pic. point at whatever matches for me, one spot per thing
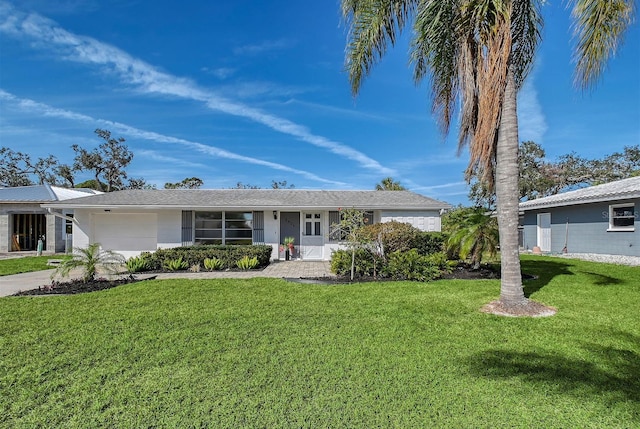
(12, 284)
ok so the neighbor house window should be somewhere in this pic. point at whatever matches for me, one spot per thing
(223, 228)
(622, 217)
(312, 223)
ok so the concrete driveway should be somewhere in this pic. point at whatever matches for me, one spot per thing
(15, 283)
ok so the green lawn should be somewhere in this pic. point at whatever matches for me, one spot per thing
(25, 265)
(266, 353)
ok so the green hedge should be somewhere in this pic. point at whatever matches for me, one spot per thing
(193, 255)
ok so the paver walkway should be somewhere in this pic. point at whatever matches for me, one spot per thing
(12, 284)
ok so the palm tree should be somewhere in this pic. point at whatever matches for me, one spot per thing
(478, 53)
(388, 184)
(89, 259)
(474, 236)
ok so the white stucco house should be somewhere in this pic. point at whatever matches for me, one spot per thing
(133, 221)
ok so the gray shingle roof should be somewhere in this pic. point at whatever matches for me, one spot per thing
(255, 199)
(614, 191)
(40, 194)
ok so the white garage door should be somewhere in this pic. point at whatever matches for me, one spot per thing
(126, 233)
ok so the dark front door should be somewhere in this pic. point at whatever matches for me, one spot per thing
(290, 227)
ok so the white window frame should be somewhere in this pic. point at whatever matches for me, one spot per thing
(613, 227)
(315, 220)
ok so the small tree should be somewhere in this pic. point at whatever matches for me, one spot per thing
(348, 229)
(89, 259)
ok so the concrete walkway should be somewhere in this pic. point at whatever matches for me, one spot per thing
(10, 285)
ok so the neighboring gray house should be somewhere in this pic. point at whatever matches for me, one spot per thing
(23, 221)
(598, 219)
(134, 221)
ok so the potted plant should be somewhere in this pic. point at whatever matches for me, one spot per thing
(288, 246)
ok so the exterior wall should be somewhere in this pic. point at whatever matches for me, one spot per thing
(5, 234)
(272, 233)
(423, 220)
(587, 231)
(82, 228)
(90, 225)
(169, 229)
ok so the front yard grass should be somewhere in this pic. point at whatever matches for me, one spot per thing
(26, 264)
(267, 353)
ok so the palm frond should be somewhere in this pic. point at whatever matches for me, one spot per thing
(435, 51)
(526, 26)
(373, 24)
(599, 26)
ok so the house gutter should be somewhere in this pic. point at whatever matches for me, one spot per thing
(59, 214)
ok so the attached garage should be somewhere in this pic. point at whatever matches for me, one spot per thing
(126, 233)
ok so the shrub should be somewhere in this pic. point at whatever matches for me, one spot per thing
(175, 264)
(212, 264)
(364, 263)
(440, 261)
(429, 242)
(138, 264)
(228, 255)
(410, 266)
(195, 268)
(394, 236)
(247, 263)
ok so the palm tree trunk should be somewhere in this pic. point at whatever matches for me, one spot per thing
(511, 292)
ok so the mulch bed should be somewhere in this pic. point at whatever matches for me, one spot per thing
(78, 286)
(461, 272)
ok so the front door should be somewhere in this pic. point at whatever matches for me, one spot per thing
(312, 239)
(544, 232)
(290, 227)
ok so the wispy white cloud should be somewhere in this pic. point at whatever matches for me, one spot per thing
(247, 90)
(532, 124)
(339, 110)
(156, 156)
(129, 131)
(265, 46)
(221, 73)
(147, 79)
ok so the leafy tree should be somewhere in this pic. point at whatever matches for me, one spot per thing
(90, 259)
(187, 183)
(139, 183)
(479, 53)
(91, 184)
(474, 235)
(388, 184)
(107, 162)
(241, 185)
(17, 168)
(351, 222)
(66, 173)
(281, 185)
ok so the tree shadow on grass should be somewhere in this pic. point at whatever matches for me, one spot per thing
(613, 371)
(602, 280)
(544, 271)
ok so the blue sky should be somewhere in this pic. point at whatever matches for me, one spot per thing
(252, 91)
